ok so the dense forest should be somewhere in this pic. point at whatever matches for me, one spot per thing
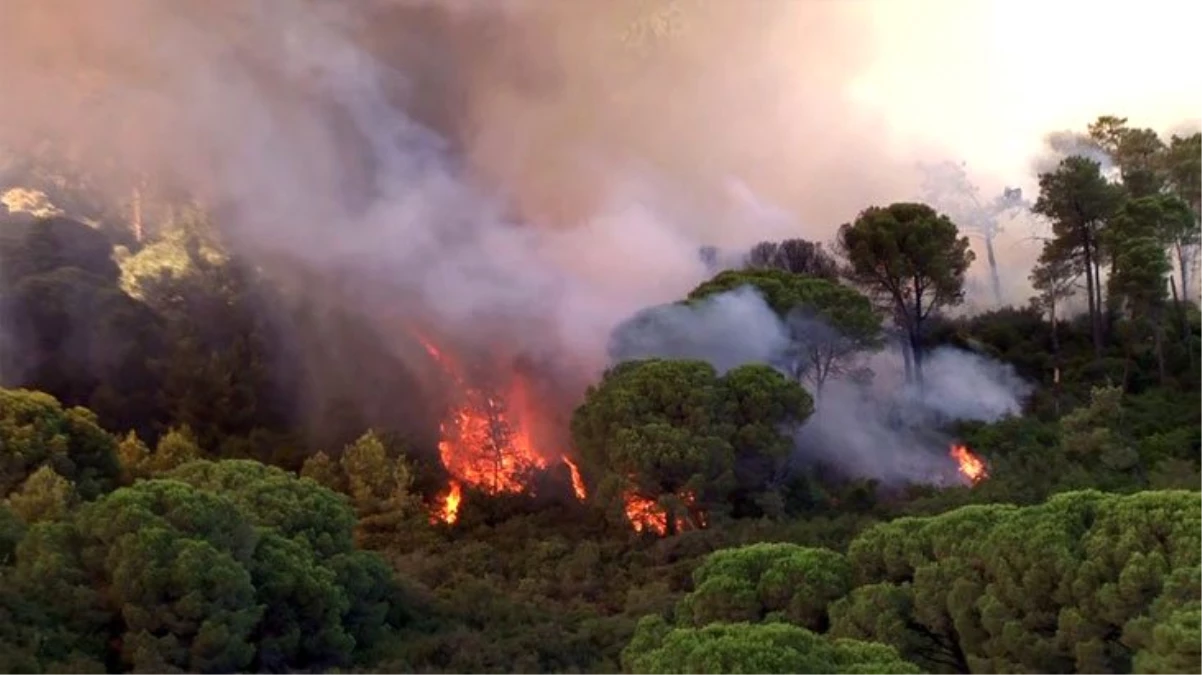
(176, 497)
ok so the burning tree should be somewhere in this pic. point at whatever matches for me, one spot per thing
(675, 440)
(486, 439)
(970, 466)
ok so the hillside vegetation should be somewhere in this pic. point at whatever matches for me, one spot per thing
(177, 494)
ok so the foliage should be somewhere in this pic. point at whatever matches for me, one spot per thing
(227, 566)
(753, 648)
(662, 427)
(45, 495)
(910, 257)
(149, 351)
(1079, 202)
(1048, 588)
(379, 482)
(36, 431)
(830, 324)
(765, 582)
(796, 256)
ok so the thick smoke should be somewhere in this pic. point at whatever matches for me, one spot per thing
(727, 330)
(464, 167)
(518, 173)
(883, 429)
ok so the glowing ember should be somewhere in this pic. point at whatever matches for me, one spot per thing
(970, 466)
(577, 481)
(448, 512)
(485, 442)
(647, 515)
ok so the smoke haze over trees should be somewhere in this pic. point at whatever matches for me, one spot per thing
(652, 336)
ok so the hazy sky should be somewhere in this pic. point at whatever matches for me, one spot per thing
(715, 112)
(990, 77)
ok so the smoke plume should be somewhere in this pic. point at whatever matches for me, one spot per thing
(883, 429)
(511, 174)
(514, 172)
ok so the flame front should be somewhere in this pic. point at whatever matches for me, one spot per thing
(647, 515)
(486, 440)
(448, 512)
(970, 466)
(577, 482)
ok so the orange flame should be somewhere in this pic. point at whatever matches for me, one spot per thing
(577, 482)
(486, 442)
(449, 511)
(647, 515)
(970, 466)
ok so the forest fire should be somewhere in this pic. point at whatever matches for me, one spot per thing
(577, 481)
(448, 512)
(969, 465)
(486, 441)
(647, 515)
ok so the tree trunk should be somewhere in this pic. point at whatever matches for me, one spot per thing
(1055, 332)
(1055, 352)
(1092, 294)
(1184, 265)
(1158, 338)
(1185, 337)
(993, 272)
(1126, 360)
(902, 325)
(1103, 302)
(916, 347)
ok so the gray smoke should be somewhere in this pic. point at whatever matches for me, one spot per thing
(497, 168)
(519, 174)
(882, 429)
(1062, 144)
(726, 330)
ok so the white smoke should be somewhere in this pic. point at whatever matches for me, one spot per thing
(726, 330)
(1061, 144)
(885, 430)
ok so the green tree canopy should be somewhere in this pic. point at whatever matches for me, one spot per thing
(797, 256)
(36, 431)
(227, 566)
(1047, 588)
(911, 258)
(1139, 154)
(664, 426)
(1079, 202)
(759, 582)
(1137, 238)
(830, 324)
(752, 648)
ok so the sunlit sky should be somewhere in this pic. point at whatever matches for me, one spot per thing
(1023, 67)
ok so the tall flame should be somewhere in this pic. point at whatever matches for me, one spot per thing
(486, 440)
(448, 512)
(577, 482)
(970, 466)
